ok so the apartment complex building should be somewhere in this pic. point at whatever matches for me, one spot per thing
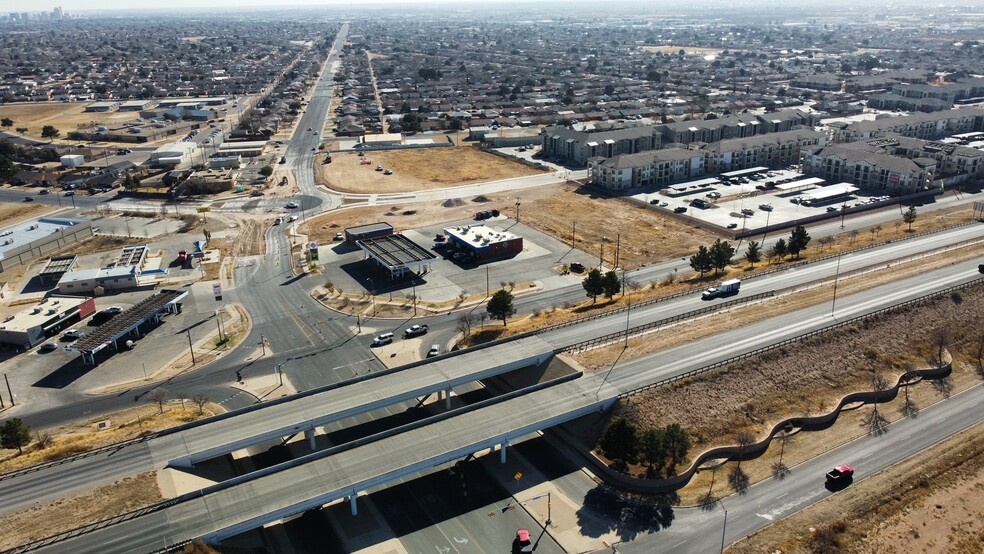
(673, 165)
(872, 170)
(927, 126)
(579, 146)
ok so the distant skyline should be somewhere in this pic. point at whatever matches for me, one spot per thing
(7, 6)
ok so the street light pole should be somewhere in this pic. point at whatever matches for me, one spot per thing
(517, 210)
(724, 528)
(836, 275)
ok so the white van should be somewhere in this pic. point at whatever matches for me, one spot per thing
(385, 338)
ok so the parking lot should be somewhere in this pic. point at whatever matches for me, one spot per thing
(754, 202)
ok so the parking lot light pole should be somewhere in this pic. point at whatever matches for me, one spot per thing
(517, 210)
(372, 295)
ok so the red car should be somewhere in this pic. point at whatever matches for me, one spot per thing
(523, 543)
(840, 474)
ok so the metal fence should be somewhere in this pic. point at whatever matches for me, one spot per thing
(804, 336)
(610, 337)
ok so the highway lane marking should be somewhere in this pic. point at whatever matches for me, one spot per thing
(782, 495)
(765, 516)
(678, 544)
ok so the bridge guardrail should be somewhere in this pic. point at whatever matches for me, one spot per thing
(584, 345)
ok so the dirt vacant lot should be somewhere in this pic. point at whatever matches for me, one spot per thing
(645, 236)
(12, 213)
(62, 115)
(417, 169)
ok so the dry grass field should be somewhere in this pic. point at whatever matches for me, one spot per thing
(64, 116)
(12, 213)
(416, 169)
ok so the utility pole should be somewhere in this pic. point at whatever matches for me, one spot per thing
(191, 348)
(263, 345)
(573, 234)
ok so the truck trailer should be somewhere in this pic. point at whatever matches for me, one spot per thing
(726, 288)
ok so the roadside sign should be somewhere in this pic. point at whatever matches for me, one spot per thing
(217, 290)
(204, 210)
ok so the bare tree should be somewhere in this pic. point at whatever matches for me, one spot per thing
(464, 324)
(941, 339)
(854, 235)
(200, 400)
(159, 397)
(738, 479)
(824, 242)
(43, 439)
(909, 408)
(944, 386)
(779, 469)
(980, 358)
(708, 500)
(875, 422)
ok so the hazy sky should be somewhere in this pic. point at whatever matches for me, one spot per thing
(7, 6)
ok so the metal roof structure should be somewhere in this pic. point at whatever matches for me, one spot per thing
(148, 309)
(396, 253)
(368, 228)
(56, 267)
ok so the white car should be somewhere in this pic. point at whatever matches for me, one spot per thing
(291, 205)
(113, 310)
(72, 334)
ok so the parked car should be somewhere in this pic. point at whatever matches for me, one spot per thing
(732, 225)
(291, 205)
(714, 194)
(523, 543)
(748, 211)
(72, 334)
(112, 310)
(48, 347)
(339, 237)
(765, 207)
(414, 331)
(680, 209)
(387, 172)
(576, 267)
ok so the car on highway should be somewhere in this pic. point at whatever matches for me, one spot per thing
(435, 350)
(840, 474)
(291, 205)
(292, 218)
(980, 268)
(414, 331)
(278, 221)
(382, 339)
(28, 199)
(522, 544)
(44, 191)
(69, 193)
(283, 159)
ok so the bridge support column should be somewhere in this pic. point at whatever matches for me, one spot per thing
(309, 435)
(355, 506)
(447, 398)
(502, 451)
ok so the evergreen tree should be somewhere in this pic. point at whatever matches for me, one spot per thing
(611, 284)
(15, 434)
(798, 240)
(909, 217)
(653, 448)
(620, 441)
(754, 253)
(500, 306)
(702, 262)
(721, 254)
(677, 442)
(778, 249)
(594, 284)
